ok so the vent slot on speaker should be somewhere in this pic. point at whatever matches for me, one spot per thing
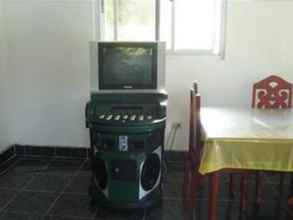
(150, 171)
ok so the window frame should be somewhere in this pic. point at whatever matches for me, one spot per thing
(172, 51)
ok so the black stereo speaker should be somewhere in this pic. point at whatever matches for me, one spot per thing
(128, 179)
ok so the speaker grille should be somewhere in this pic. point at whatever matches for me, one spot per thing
(150, 171)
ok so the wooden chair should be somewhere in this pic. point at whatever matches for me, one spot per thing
(192, 177)
(272, 92)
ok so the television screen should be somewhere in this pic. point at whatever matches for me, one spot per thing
(127, 65)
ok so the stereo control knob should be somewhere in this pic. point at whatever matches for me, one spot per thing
(149, 117)
(109, 117)
(141, 118)
(116, 170)
(117, 117)
(132, 117)
(125, 117)
(101, 116)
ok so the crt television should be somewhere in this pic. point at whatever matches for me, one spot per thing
(128, 66)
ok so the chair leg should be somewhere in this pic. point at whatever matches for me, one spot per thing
(191, 185)
(281, 184)
(195, 185)
(231, 186)
(257, 189)
(243, 192)
(213, 196)
(186, 184)
(189, 201)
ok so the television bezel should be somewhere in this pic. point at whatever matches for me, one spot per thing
(136, 86)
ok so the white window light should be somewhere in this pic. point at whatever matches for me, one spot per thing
(188, 26)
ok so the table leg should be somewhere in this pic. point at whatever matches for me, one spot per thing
(231, 185)
(213, 195)
(243, 190)
(281, 184)
(291, 185)
(257, 189)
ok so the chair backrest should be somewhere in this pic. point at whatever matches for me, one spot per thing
(272, 92)
(194, 123)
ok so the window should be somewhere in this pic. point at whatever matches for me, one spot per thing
(187, 26)
(129, 20)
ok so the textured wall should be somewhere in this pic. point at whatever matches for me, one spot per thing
(48, 65)
(6, 133)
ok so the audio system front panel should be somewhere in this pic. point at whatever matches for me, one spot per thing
(123, 142)
(137, 109)
(127, 145)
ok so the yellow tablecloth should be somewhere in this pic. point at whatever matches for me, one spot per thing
(246, 139)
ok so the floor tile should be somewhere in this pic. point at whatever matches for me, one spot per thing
(73, 206)
(170, 210)
(5, 197)
(80, 183)
(223, 193)
(65, 218)
(86, 166)
(174, 176)
(17, 216)
(269, 211)
(290, 214)
(5, 166)
(14, 180)
(30, 165)
(48, 183)
(64, 167)
(172, 189)
(119, 215)
(175, 166)
(33, 203)
(225, 211)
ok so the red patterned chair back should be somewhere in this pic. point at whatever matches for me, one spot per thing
(194, 126)
(272, 92)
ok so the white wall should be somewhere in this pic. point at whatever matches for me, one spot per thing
(6, 134)
(48, 56)
(48, 66)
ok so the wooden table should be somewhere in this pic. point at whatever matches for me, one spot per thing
(246, 139)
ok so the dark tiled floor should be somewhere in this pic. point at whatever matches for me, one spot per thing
(6, 196)
(35, 203)
(48, 183)
(55, 189)
(73, 206)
